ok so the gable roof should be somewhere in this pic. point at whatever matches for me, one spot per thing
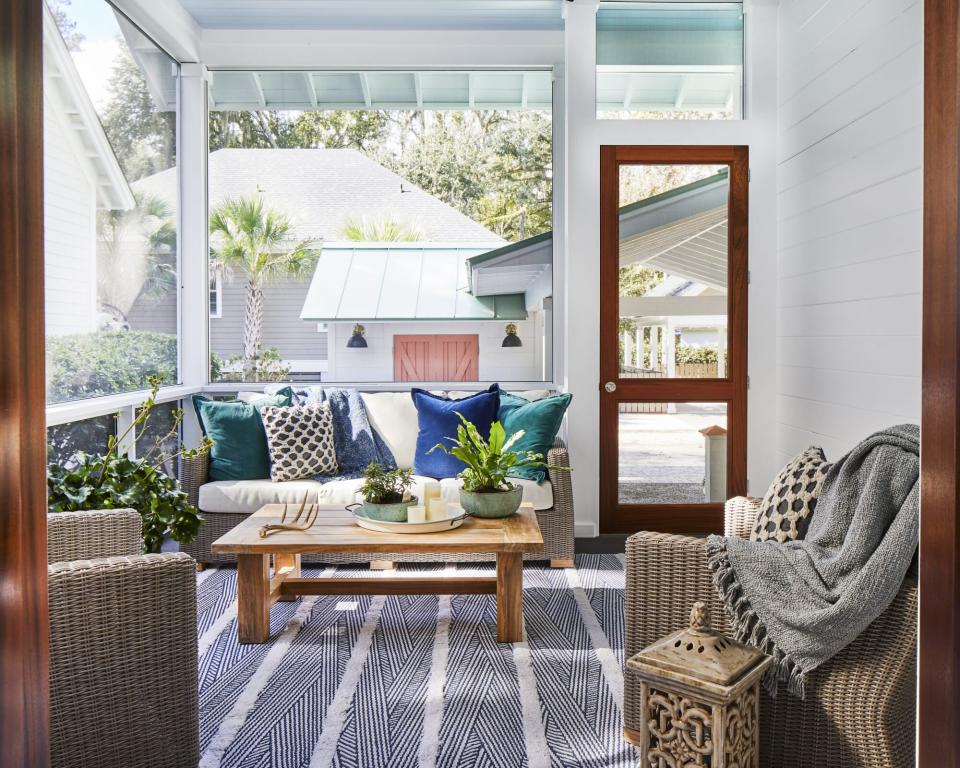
(64, 88)
(321, 189)
(682, 232)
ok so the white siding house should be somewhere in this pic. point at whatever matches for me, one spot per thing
(81, 176)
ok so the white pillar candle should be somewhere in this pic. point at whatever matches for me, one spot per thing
(416, 514)
(436, 509)
(431, 490)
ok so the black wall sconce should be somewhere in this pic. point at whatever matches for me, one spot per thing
(511, 339)
(357, 341)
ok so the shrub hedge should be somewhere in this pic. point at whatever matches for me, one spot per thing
(93, 364)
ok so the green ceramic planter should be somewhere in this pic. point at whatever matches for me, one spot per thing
(392, 513)
(495, 504)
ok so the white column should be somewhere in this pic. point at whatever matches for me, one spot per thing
(194, 306)
(670, 351)
(627, 348)
(721, 352)
(654, 347)
(670, 358)
(638, 345)
(581, 230)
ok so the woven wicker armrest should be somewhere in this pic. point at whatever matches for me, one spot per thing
(559, 456)
(93, 534)
(740, 516)
(665, 575)
(123, 662)
(194, 472)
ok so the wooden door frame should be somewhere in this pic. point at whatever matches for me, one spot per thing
(672, 518)
(24, 639)
(939, 664)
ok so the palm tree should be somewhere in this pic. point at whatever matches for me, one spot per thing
(382, 229)
(136, 254)
(255, 240)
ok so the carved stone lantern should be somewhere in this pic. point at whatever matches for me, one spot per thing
(699, 692)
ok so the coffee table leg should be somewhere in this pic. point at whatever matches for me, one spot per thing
(291, 562)
(253, 598)
(509, 597)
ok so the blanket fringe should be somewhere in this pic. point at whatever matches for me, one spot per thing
(748, 627)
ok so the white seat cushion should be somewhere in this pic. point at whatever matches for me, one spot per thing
(394, 416)
(250, 495)
(343, 492)
(538, 494)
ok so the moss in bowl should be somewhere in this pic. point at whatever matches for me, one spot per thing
(386, 493)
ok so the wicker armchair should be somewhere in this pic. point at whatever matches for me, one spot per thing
(123, 647)
(860, 708)
(556, 523)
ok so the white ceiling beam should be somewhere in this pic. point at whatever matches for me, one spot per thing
(365, 87)
(667, 306)
(175, 30)
(418, 89)
(258, 87)
(311, 89)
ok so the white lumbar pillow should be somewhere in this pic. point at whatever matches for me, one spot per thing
(394, 416)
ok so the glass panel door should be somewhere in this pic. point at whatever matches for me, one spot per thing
(673, 335)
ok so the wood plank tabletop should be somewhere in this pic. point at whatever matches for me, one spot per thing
(336, 531)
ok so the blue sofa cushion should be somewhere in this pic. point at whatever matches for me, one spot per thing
(540, 421)
(437, 419)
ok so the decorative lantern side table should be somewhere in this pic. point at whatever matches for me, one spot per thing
(699, 692)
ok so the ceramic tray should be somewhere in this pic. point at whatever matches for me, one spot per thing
(457, 516)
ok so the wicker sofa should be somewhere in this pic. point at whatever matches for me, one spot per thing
(860, 708)
(554, 513)
(123, 647)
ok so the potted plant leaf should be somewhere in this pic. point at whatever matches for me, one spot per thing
(386, 493)
(112, 480)
(486, 491)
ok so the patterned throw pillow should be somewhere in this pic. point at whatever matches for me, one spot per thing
(786, 509)
(300, 439)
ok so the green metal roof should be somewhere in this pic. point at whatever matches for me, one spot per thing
(379, 282)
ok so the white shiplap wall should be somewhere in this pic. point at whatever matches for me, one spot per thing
(849, 197)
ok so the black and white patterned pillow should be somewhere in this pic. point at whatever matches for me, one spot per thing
(786, 509)
(300, 439)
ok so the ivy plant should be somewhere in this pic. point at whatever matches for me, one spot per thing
(112, 480)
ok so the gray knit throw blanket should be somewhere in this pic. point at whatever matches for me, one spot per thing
(804, 601)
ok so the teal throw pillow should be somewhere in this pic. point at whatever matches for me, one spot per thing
(239, 449)
(540, 421)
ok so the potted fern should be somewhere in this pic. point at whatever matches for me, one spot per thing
(386, 493)
(486, 491)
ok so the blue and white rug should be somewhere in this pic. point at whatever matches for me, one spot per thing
(375, 682)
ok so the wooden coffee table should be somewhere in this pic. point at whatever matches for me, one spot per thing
(335, 532)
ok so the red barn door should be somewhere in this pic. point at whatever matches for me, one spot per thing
(439, 357)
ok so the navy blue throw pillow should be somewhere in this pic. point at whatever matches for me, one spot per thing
(438, 421)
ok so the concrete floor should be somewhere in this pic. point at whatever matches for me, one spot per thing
(662, 455)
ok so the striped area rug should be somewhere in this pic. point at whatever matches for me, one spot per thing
(375, 682)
